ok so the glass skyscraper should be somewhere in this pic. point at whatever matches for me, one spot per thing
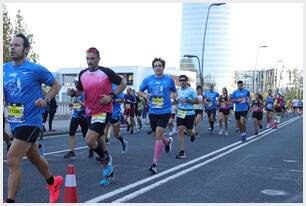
(217, 44)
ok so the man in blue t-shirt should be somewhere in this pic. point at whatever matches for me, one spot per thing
(22, 86)
(210, 101)
(241, 98)
(159, 87)
(185, 114)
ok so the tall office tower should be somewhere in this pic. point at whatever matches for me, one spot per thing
(217, 67)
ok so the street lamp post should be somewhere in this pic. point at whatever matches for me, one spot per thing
(204, 36)
(263, 46)
(201, 75)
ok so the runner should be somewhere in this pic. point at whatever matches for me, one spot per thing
(78, 117)
(185, 114)
(129, 110)
(115, 120)
(198, 108)
(278, 107)
(96, 83)
(296, 105)
(224, 109)
(241, 97)
(140, 104)
(269, 108)
(171, 125)
(159, 88)
(257, 109)
(210, 100)
(22, 81)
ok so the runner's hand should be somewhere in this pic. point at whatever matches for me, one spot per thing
(40, 102)
(105, 99)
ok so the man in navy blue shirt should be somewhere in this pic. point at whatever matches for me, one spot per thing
(241, 98)
(22, 86)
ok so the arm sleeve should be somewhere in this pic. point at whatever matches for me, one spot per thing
(115, 78)
(173, 88)
(143, 86)
(44, 75)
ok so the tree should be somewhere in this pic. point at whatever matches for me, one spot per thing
(7, 32)
(19, 27)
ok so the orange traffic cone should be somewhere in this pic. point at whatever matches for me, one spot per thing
(70, 190)
(274, 124)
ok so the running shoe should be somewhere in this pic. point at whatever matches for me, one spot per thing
(107, 180)
(192, 138)
(169, 145)
(90, 153)
(153, 168)
(226, 133)
(128, 128)
(124, 147)
(181, 155)
(108, 167)
(220, 132)
(197, 135)
(243, 137)
(55, 189)
(70, 155)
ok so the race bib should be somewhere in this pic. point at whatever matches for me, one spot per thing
(15, 113)
(127, 106)
(197, 106)
(157, 102)
(209, 104)
(269, 106)
(98, 118)
(77, 106)
(223, 104)
(181, 114)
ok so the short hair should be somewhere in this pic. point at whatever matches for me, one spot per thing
(199, 87)
(240, 82)
(159, 60)
(26, 43)
(93, 50)
(183, 75)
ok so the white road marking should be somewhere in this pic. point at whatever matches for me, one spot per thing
(143, 181)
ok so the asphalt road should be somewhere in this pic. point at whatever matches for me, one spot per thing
(218, 169)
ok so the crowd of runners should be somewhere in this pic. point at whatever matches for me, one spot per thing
(99, 106)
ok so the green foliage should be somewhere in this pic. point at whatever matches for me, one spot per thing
(19, 27)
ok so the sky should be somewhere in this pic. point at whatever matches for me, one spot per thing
(129, 34)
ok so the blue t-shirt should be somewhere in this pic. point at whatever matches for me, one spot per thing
(22, 87)
(78, 108)
(116, 106)
(159, 90)
(211, 98)
(189, 94)
(269, 102)
(243, 105)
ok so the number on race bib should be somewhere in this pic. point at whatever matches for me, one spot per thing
(181, 114)
(157, 102)
(15, 113)
(98, 118)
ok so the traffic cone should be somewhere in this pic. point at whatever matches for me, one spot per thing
(274, 124)
(70, 190)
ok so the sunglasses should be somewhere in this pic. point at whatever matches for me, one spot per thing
(183, 80)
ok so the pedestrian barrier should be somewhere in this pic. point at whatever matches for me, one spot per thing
(70, 190)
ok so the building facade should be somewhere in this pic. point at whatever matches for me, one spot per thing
(217, 65)
(132, 75)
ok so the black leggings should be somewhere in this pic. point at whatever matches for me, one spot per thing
(75, 122)
(51, 117)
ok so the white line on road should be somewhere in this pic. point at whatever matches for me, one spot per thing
(163, 181)
(143, 181)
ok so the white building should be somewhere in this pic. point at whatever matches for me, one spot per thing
(133, 76)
